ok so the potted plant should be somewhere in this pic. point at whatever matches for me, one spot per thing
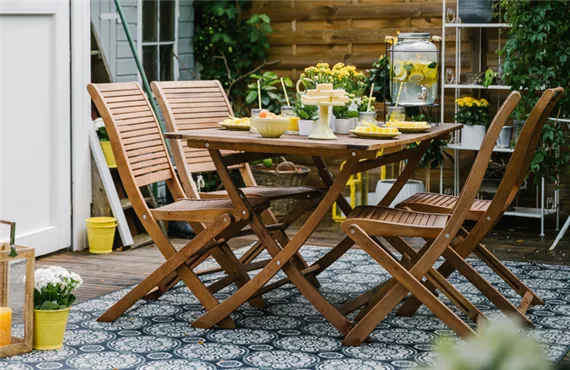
(536, 58)
(474, 114)
(105, 143)
(340, 76)
(344, 116)
(307, 116)
(52, 300)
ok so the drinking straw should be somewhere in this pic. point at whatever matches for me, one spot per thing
(370, 97)
(399, 92)
(259, 93)
(285, 92)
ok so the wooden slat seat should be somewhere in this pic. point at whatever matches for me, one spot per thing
(202, 209)
(442, 203)
(271, 193)
(398, 222)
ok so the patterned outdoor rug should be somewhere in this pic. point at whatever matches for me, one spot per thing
(289, 333)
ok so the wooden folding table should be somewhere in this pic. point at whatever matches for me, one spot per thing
(360, 154)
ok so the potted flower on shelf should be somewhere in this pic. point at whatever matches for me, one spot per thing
(474, 114)
(307, 116)
(105, 143)
(52, 301)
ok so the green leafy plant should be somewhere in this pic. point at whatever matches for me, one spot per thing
(363, 104)
(229, 46)
(472, 111)
(305, 112)
(548, 159)
(101, 130)
(53, 288)
(490, 77)
(379, 75)
(537, 56)
(350, 110)
(272, 97)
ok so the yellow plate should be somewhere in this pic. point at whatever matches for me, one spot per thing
(374, 135)
(230, 126)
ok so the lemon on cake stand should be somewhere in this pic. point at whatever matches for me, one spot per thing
(325, 98)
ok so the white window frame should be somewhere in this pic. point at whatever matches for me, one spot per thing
(140, 43)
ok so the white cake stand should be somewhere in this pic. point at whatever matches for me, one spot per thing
(323, 130)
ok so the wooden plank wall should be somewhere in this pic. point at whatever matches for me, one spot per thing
(306, 32)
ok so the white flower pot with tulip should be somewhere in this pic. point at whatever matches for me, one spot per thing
(474, 115)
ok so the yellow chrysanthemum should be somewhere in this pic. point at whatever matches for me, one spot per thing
(484, 103)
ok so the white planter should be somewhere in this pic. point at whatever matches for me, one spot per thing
(342, 126)
(410, 188)
(306, 126)
(472, 136)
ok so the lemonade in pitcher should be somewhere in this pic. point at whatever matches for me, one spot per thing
(414, 70)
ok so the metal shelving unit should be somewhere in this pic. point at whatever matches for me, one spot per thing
(541, 209)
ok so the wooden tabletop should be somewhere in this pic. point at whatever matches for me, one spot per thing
(220, 138)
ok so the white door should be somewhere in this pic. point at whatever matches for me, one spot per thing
(35, 174)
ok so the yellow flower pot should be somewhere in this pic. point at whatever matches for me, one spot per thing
(108, 152)
(100, 234)
(49, 328)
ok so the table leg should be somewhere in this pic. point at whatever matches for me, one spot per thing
(281, 257)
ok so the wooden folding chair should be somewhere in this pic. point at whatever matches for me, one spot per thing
(192, 105)
(142, 159)
(365, 224)
(488, 212)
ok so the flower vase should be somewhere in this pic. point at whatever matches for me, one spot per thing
(472, 136)
(49, 328)
(306, 126)
(342, 126)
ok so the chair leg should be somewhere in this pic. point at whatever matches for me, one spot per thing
(463, 250)
(177, 262)
(232, 265)
(407, 282)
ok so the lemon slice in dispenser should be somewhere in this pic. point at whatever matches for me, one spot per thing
(416, 77)
(400, 72)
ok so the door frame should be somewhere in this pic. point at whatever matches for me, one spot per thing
(80, 42)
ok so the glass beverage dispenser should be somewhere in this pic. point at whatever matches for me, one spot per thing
(414, 70)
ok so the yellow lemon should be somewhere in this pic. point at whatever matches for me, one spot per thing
(400, 73)
(416, 77)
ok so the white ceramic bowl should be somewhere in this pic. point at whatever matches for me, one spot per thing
(270, 127)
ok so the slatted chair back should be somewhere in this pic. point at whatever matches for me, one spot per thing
(192, 105)
(518, 166)
(475, 178)
(136, 138)
(527, 142)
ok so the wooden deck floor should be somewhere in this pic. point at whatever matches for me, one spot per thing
(514, 239)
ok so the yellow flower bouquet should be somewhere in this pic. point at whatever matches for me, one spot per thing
(340, 76)
(472, 111)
